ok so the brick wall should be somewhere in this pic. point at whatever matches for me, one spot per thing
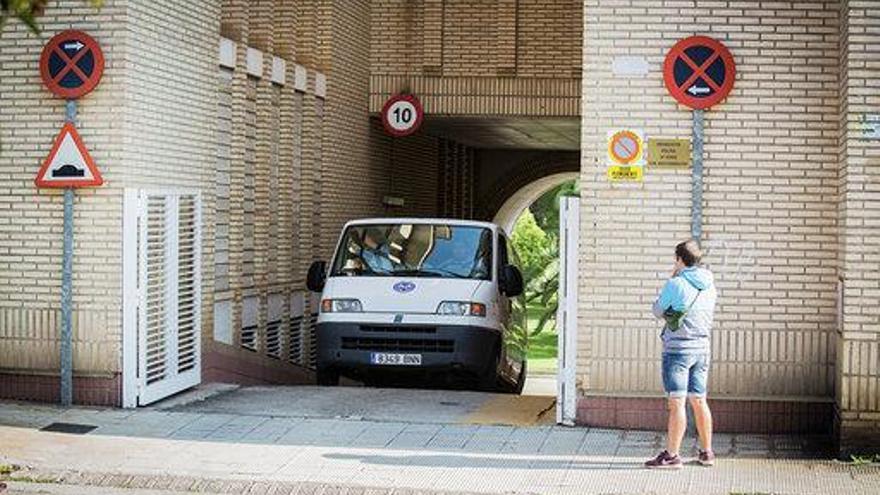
(770, 224)
(296, 159)
(31, 219)
(267, 178)
(486, 57)
(143, 127)
(526, 38)
(858, 391)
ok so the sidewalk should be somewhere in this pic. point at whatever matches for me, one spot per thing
(229, 453)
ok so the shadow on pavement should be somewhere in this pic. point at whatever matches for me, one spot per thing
(481, 462)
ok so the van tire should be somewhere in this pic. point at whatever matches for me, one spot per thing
(327, 377)
(517, 388)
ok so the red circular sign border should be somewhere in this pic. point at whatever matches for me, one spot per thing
(678, 93)
(635, 138)
(420, 114)
(91, 83)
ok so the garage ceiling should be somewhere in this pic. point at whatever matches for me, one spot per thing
(508, 132)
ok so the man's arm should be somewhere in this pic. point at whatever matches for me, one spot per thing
(665, 299)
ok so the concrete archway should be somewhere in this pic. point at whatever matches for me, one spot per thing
(510, 211)
(504, 174)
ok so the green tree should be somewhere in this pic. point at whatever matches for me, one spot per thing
(536, 241)
(546, 208)
(27, 11)
(530, 242)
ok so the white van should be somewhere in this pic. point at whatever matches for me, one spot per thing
(427, 295)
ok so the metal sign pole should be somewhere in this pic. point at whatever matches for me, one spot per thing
(697, 176)
(67, 287)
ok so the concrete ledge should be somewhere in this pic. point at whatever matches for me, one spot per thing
(730, 416)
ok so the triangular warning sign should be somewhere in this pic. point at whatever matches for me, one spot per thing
(69, 163)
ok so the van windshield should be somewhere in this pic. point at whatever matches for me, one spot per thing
(415, 250)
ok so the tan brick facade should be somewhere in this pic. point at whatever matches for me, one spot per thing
(278, 133)
(858, 385)
(143, 128)
(478, 58)
(775, 163)
(282, 155)
(769, 217)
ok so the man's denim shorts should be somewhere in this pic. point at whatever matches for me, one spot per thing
(685, 374)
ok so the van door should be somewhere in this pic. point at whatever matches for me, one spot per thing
(517, 332)
(503, 260)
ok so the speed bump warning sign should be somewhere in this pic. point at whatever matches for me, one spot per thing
(69, 163)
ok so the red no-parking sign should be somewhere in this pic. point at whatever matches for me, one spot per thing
(71, 64)
(699, 72)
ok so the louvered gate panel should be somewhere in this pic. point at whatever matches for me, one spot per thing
(169, 293)
(189, 284)
(153, 309)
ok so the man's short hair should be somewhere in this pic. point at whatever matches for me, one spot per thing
(689, 252)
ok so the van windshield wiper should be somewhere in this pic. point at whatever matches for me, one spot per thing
(436, 272)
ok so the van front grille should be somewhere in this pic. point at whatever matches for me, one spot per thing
(396, 329)
(377, 344)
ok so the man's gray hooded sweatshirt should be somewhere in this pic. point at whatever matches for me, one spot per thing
(678, 294)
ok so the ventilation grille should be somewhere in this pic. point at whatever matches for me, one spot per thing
(312, 331)
(274, 334)
(392, 329)
(273, 339)
(296, 328)
(295, 333)
(396, 345)
(249, 323)
(249, 337)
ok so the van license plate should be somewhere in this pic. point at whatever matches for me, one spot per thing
(387, 359)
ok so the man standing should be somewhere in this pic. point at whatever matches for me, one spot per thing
(687, 303)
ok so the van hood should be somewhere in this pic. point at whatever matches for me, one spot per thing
(401, 294)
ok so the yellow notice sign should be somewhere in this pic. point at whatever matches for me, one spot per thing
(669, 153)
(618, 173)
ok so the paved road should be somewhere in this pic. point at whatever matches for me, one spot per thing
(217, 445)
(369, 404)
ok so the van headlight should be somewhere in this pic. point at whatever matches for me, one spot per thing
(341, 306)
(461, 308)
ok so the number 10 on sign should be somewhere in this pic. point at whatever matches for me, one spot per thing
(402, 115)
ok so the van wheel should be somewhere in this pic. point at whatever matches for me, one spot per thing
(521, 380)
(327, 377)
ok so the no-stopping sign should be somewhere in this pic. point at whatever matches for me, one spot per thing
(402, 115)
(71, 64)
(699, 72)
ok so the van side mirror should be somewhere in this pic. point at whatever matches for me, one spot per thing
(317, 276)
(511, 281)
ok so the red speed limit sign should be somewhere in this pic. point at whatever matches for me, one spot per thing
(402, 115)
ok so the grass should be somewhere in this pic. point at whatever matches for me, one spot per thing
(542, 347)
(858, 460)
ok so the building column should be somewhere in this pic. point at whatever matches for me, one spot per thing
(858, 373)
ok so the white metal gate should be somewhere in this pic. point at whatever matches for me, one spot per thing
(566, 317)
(162, 294)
